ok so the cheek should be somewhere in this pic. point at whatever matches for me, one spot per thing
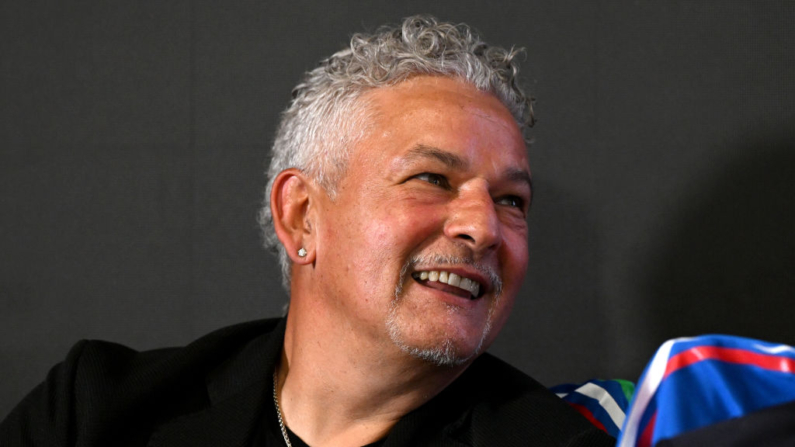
(401, 225)
(515, 259)
(500, 318)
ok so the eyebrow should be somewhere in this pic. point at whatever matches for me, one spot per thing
(520, 176)
(448, 158)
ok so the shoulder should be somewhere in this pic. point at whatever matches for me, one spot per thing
(508, 407)
(96, 367)
(107, 361)
(100, 384)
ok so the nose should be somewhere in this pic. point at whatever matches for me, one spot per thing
(473, 220)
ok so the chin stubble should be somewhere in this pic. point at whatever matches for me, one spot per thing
(445, 353)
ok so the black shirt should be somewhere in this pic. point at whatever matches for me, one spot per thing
(269, 433)
(218, 391)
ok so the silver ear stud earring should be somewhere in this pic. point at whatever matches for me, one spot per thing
(302, 252)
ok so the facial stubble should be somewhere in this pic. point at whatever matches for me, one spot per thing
(444, 352)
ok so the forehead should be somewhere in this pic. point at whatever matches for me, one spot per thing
(441, 112)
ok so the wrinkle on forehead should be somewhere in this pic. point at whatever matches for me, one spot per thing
(430, 99)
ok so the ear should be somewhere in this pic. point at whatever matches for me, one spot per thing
(291, 209)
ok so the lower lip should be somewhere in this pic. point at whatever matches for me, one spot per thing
(451, 298)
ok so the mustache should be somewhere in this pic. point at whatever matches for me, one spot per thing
(441, 260)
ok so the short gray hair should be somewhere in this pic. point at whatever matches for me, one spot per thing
(325, 119)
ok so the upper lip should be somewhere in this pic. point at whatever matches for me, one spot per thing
(464, 272)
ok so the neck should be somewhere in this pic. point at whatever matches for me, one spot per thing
(339, 387)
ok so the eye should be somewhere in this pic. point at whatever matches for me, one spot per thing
(433, 179)
(512, 201)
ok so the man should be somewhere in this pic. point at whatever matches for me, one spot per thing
(397, 199)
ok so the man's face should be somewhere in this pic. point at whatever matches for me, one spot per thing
(439, 185)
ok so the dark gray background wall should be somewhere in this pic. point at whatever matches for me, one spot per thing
(133, 137)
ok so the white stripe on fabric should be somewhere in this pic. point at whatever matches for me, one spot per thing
(561, 395)
(775, 349)
(607, 402)
(645, 391)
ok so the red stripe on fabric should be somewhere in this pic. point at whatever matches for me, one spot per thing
(588, 415)
(645, 437)
(729, 355)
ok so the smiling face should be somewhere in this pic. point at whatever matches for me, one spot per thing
(424, 246)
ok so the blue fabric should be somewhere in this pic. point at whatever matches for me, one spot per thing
(711, 391)
(695, 382)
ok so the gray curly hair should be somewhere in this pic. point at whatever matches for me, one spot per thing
(325, 118)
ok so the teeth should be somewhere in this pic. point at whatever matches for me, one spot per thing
(451, 279)
(470, 285)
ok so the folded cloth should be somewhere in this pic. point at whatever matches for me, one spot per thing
(603, 402)
(696, 382)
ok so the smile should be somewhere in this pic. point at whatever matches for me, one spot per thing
(471, 287)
